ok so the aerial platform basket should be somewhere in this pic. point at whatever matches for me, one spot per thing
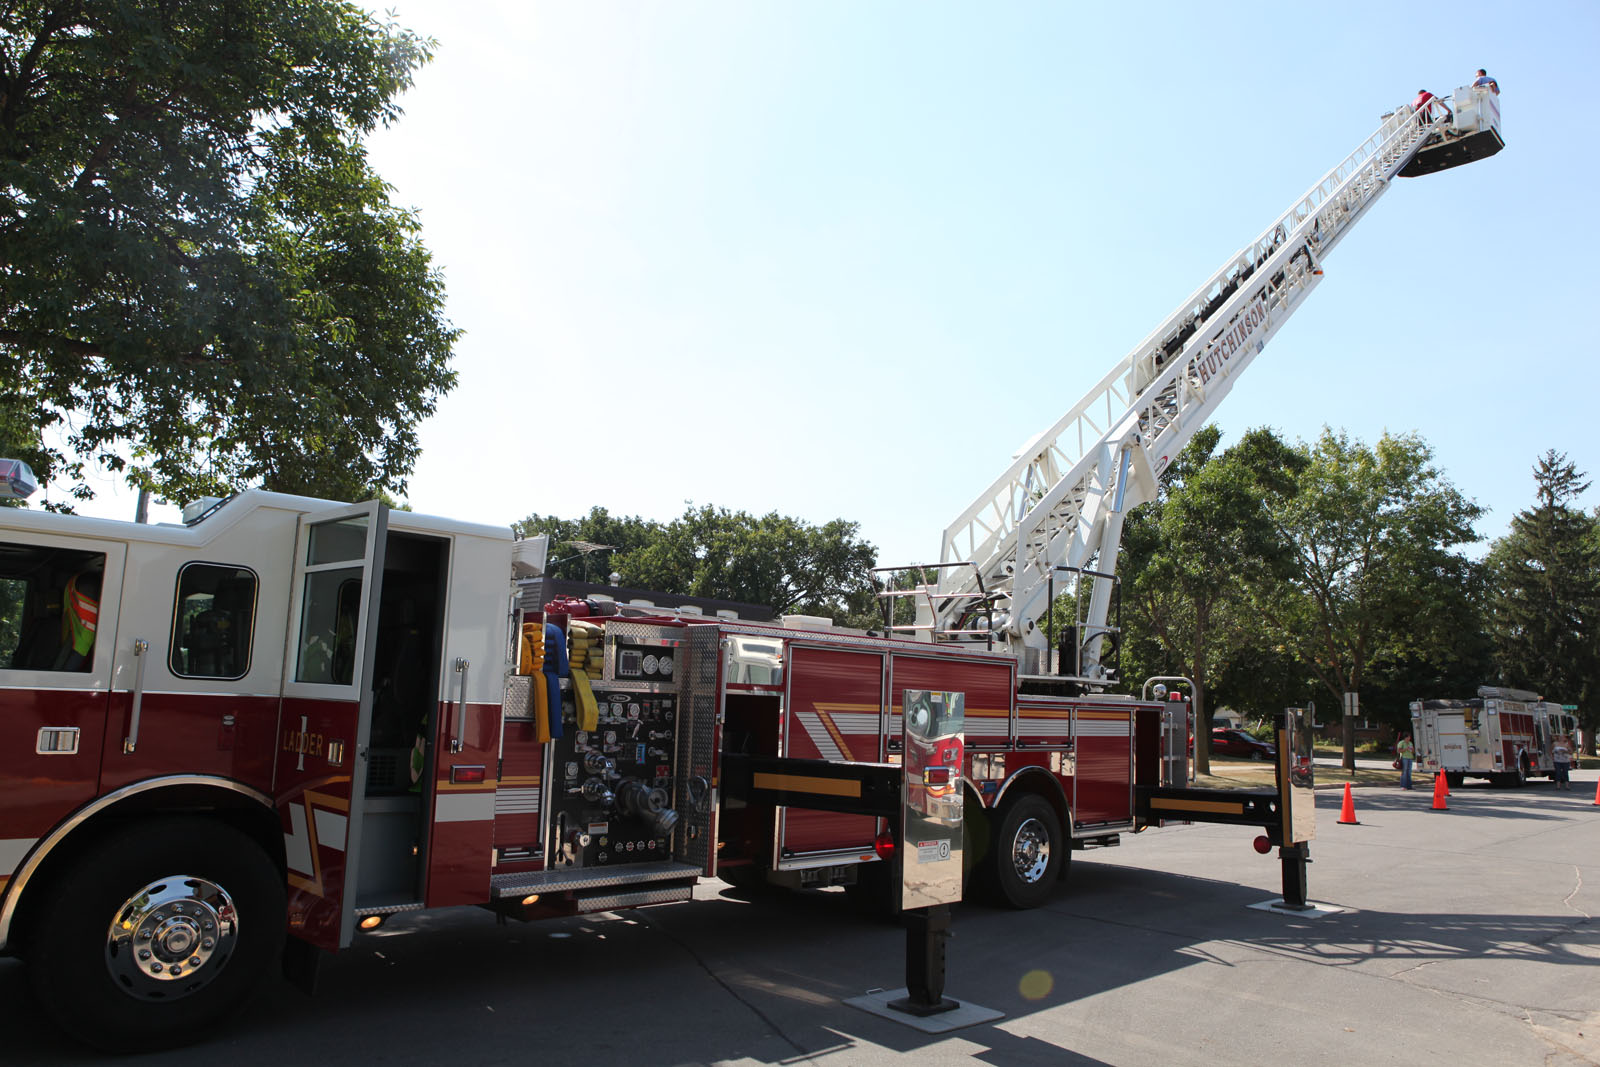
(1470, 134)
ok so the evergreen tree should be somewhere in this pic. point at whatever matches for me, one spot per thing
(1545, 594)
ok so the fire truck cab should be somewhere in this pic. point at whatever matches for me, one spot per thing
(226, 722)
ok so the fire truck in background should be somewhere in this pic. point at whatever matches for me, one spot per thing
(1504, 735)
(250, 736)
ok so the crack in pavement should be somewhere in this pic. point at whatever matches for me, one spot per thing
(1577, 873)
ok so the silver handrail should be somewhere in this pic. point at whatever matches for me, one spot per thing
(131, 742)
(461, 704)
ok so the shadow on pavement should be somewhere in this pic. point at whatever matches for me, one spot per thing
(762, 977)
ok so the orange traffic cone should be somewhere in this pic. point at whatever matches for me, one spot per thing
(1446, 783)
(1347, 814)
(1439, 793)
(1597, 794)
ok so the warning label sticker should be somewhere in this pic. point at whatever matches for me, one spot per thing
(933, 851)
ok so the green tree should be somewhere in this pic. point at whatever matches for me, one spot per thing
(773, 559)
(1192, 553)
(1545, 594)
(204, 283)
(621, 536)
(1371, 571)
(782, 562)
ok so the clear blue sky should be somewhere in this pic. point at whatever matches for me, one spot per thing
(841, 259)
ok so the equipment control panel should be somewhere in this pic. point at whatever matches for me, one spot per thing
(615, 782)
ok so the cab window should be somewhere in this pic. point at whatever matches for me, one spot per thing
(49, 607)
(213, 621)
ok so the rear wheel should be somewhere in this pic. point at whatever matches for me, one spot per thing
(156, 933)
(1454, 779)
(1028, 853)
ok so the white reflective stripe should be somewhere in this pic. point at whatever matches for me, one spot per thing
(516, 801)
(811, 723)
(12, 851)
(297, 845)
(331, 829)
(1103, 729)
(464, 807)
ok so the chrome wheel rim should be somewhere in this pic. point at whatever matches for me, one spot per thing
(171, 938)
(1030, 851)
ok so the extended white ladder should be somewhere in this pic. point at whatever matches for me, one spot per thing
(1060, 503)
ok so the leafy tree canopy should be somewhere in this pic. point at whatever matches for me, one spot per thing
(199, 272)
(785, 563)
(1372, 571)
(1192, 553)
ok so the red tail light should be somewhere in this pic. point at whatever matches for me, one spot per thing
(883, 845)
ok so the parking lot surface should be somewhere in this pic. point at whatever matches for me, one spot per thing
(1466, 936)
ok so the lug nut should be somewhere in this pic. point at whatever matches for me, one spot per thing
(207, 943)
(155, 968)
(144, 954)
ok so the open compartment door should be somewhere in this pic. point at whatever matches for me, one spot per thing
(324, 728)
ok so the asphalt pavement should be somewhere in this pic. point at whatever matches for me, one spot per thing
(1466, 936)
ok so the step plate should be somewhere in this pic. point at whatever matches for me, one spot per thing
(583, 880)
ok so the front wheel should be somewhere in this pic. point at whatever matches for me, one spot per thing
(157, 932)
(1028, 854)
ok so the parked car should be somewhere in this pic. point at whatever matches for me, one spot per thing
(1227, 742)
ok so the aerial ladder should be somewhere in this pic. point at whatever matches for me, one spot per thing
(1057, 511)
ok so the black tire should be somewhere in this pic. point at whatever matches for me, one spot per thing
(1028, 853)
(95, 985)
(1257, 755)
(1454, 779)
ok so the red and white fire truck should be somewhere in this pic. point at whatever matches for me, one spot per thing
(1504, 735)
(286, 719)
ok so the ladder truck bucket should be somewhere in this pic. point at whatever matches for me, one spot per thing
(1472, 133)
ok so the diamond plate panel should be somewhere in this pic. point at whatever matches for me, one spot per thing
(517, 704)
(574, 879)
(696, 744)
(589, 905)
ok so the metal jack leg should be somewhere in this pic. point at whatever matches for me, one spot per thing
(927, 929)
(1294, 859)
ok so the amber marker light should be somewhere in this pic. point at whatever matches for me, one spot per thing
(372, 922)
